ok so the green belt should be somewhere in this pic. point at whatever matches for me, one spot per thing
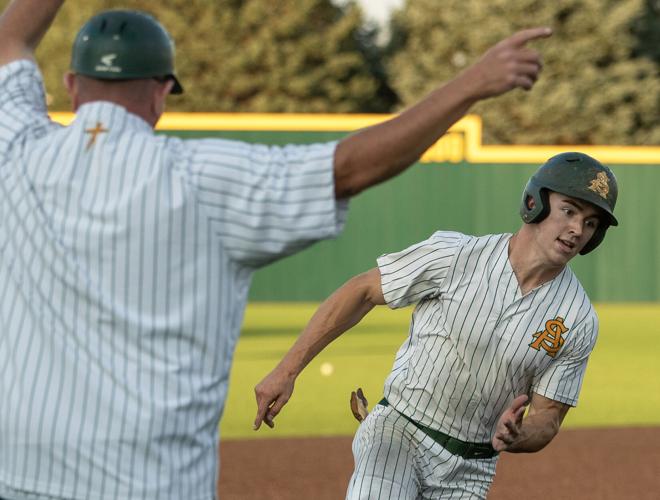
(452, 445)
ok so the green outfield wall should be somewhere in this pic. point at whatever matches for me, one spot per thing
(458, 185)
(475, 199)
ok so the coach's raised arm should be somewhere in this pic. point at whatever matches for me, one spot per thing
(384, 150)
(377, 153)
(23, 25)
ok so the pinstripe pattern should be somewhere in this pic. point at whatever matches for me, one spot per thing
(468, 354)
(124, 274)
(394, 460)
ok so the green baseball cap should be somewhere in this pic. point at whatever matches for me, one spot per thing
(124, 45)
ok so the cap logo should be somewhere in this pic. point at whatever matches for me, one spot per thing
(107, 64)
(600, 185)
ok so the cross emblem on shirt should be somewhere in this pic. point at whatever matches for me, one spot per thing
(94, 132)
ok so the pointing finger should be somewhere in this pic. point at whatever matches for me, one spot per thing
(522, 37)
(263, 404)
(261, 414)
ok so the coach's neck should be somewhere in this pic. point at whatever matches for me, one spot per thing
(144, 97)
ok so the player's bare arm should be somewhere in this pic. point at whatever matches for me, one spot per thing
(516, 434)
(384, 150)
(344, 309)
(22, 26)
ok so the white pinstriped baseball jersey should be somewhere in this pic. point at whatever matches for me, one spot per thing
(394, 460)
(125, 263)
(475, 342)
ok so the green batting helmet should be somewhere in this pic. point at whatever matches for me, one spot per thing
(124, 45)
(579, 176)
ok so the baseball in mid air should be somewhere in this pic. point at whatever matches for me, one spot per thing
(327, 369)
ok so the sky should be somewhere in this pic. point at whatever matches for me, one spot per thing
(379, 10)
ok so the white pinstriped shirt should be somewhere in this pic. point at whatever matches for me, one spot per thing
(125, 263)
(472, 346)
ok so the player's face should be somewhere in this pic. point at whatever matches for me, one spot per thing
(567, 229)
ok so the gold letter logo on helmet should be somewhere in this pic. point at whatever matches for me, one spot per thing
(551, 338)
(600, 185)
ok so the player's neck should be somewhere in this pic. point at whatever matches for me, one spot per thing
(529, 264)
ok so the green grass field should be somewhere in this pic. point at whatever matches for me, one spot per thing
(621, 388)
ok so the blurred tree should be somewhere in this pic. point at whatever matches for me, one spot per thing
(600, 83)
(647, 29)
(250, 55)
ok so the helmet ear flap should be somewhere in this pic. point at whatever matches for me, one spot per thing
(541, 207)
(595, 240)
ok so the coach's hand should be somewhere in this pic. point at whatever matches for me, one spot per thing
(509, 424)
(272, 393)
(507, 65)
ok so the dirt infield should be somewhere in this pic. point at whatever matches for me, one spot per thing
(603, 464)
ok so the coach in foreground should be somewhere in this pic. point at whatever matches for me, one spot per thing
(500, 322)
(126, 257)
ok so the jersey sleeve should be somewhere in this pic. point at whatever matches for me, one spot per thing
(23, 112)
(419, 271)
(266, 202)
(562, 380)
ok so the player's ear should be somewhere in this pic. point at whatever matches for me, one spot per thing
(530, 202)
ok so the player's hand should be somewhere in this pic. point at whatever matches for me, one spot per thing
(272, 393)
(507, 65)
(359, 405)
(509, 424)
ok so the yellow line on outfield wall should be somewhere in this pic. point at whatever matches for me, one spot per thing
(463, 142)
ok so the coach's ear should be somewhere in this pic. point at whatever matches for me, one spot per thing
(71, 85)
(159, 96)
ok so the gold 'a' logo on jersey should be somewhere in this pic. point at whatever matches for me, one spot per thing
(551, 338)
(600, 185)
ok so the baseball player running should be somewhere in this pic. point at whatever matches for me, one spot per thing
(126, 257)
(500, 323)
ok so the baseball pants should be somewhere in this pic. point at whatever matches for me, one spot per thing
(396, 460)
